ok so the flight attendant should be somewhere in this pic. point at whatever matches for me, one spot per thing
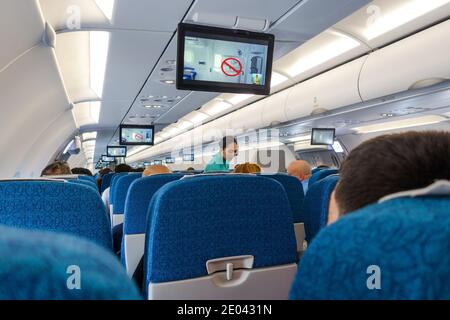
(229, 149)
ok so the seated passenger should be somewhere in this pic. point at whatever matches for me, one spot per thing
(156, 169)
(229, 149)
(56, 169)
(82, 171)
(389, 164)
(247, 168)
(101, 174)
(302, 171)
(118, 230)
(105, 195)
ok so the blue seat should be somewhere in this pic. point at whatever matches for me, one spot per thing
(112, 189)
(55, 206)
(200, 229)
(316, 204)
(84, 183)
(404, 241)
(119, 195)
(294, 192)
(88, 178)
(137, 203)
(37, 266)
(316, 170)
(321, 175)
(106, 181)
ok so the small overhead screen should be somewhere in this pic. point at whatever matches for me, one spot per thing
(115, 151)
(224, 60)
(136, 135)
(321, 137)
(105, 158)
(188, 157)
(170, 160)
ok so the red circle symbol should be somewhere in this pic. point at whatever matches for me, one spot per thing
(231, 67)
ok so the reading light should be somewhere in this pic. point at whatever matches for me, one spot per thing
(99, 46)
(410, 11)
(168, 81)
(107, 7)
(400, 124)
(277, 79)
(323, 54)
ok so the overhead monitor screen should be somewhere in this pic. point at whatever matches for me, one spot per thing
(136, 134)
(224, 60)
(108, 159)
(170, 160)
(188, 157)
(113, 151)
(321, 136)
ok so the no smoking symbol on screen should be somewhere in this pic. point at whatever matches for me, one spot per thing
(231, 67)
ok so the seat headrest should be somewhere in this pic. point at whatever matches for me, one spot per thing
(393, 250)
(55, 206)
(195, 220)
(37, 266)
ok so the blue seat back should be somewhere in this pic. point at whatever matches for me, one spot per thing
(198, 219)
(121, 190)
(404, 241)
(55, 206)
(37, 266)
(88, 178)
(106, 181)
(314, 213)
(113, 184)
(294, 192)
(138, 199)
(313, 171)
(84, 183)
(321, 175)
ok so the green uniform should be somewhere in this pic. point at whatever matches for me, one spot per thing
(217, 163)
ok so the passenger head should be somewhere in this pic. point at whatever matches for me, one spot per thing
(229, 147)
(190, 169)
(156, 169)
(247, 168)
(82, 171)
(389, 164)
(123, 168)
(104, 171)
(299, 169)
(138, 170)
(56, 168)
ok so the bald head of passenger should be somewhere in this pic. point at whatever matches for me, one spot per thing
(299, 169)
(156, 169)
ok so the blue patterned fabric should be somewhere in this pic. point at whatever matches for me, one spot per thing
(88, 178)
(34, 266)
(321, 175)
(138, 199)
(294, 191)
(84, 183)
(55, 206)
(407, 238)
(316, 170)
(106, 181)
(314, 213)
(112, 186)
(203, 218)
(121, 190)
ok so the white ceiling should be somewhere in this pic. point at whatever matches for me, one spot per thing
(143, 41)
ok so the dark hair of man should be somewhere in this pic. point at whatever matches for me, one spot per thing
(82, 171)
(226, 141)
(123, 168)
(392, 163)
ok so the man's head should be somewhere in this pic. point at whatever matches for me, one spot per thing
(299, 169)
(82, 171)
(56, 168)
(229, 148)
(123, 168)
(389, 164)
(247, 168)
(156, 169)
